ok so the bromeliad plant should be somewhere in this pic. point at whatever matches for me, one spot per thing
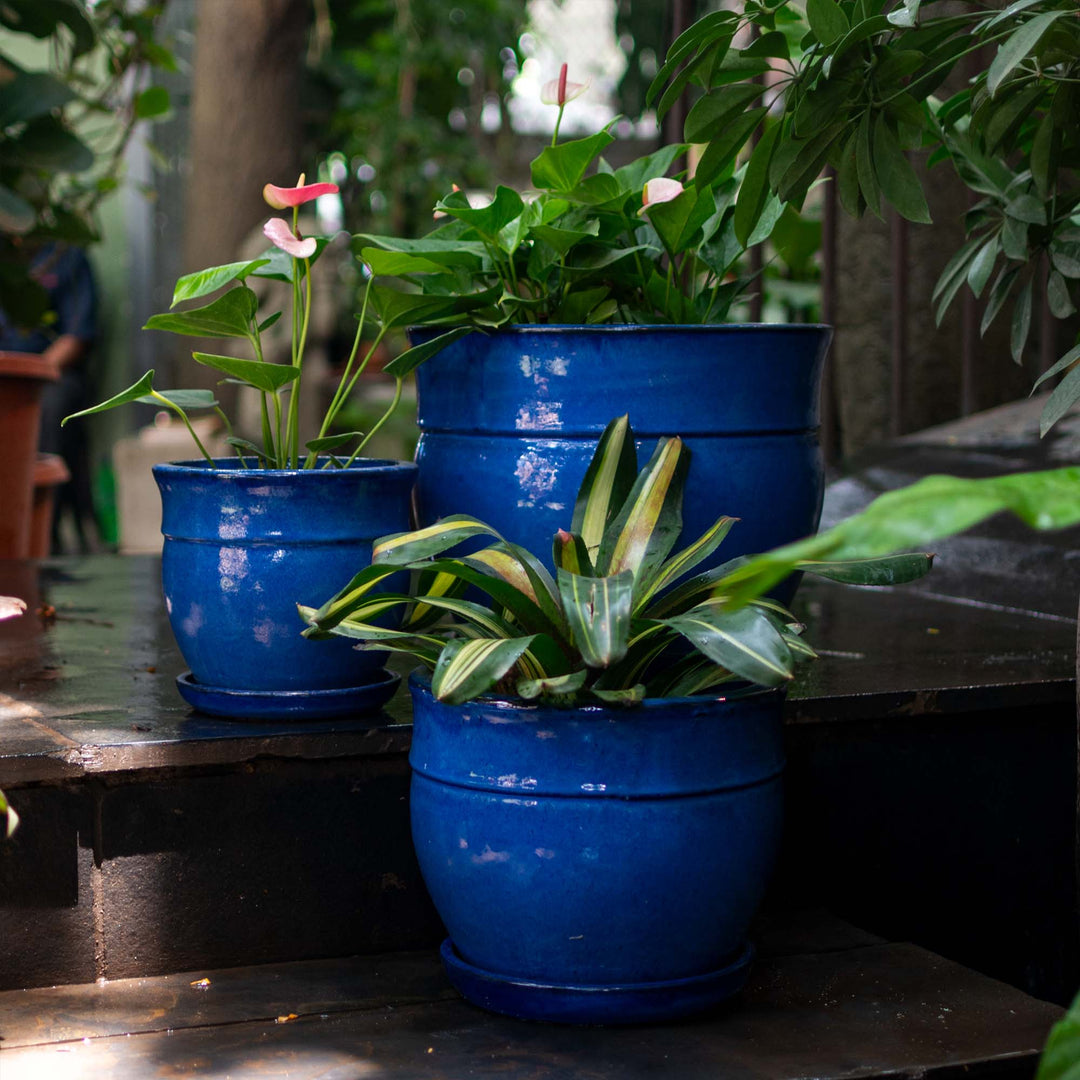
(615, 621)
(589, 243)
(624, 617)
(235, 314)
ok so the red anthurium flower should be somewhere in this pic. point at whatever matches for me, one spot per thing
(559, 91)
(281, 198)
(280, 234)
(659, 189)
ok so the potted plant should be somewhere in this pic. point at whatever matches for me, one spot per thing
(597, 756)
(859, 91)
(246, 537)
(599, 284)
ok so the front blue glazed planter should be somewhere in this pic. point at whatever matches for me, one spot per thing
(509, 421)
(244, 546)
(597, 865)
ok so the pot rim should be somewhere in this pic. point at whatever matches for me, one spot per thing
(419, 679)
(640, 328)
(229, 467)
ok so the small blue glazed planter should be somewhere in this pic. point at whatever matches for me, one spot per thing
(597, 865)
(509, 421)
(244, 546)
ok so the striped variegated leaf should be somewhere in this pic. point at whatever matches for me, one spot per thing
(410, 547)
(428, 584)
(569, 552)
(693, 591)
(414, 647)
(632, 695)
(477, 614)
(684, 561)
(744, 641)
(467, 669)
(648, 525)
(364, 612)
(644, 647)
(608, 481)
(800, 649)
(598, 613)
(352, 596)
(498, 562)
(697, 677)
(556, 686)
(888, 570)
(544, 589)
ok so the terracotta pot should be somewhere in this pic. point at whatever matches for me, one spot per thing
(22, 378)
(49, 473)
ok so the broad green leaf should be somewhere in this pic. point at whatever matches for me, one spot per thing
(152, 103)
(412, 358)
(598, 613)
(1061, 1056)
(999, 293)
(648, 525)
(743, 640)
(399, 263)
(982, 266)
(774, 44)
(755, 184)
(706, 31)
(182, 399)
(1057, 296)
(1045, 148)
(452, 254)
(632, 176)
(724, 147)
(561, 168)
(486, 220)
(258, 373)
(1061, 401)
(1021, 322)
(134, 392)
(608, 482)
(467, 669)
(679, 221)
(897, 178)
(864, 164)
(30, 94)
(1017, 46)
(1014, 239)
(827, 20)
(1062, 364)
(332, 442)
(46, 144)
(192, 286)
(1065, 262)
(229, 315)
(1027, 208)
(555, 686)
(885, 570)
(713, 112)
(410, 547)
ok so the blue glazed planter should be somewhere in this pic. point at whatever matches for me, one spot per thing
(597, 865)
(244, 547)
(509, 421)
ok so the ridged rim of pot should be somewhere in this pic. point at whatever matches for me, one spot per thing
(230, 467)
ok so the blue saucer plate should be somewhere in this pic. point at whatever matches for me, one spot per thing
(637, 1003)
(287, 704)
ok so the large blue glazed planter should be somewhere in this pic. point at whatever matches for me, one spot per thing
(244, 546)
(509, 421)
(597, 865)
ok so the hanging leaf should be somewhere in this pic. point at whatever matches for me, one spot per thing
(1016, 47)
(754, 191)
(1057, 295)
(897, 178)
(827, 20)
(1021, 322)
(263, 376)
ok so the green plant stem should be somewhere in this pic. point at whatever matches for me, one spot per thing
(558, 124)
(187, 423)
(293, 429)
(282, 461)
(382, 420)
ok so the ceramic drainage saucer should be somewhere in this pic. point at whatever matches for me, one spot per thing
(634, 1003)
(287, 704)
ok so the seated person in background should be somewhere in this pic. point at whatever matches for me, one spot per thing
(64, 272)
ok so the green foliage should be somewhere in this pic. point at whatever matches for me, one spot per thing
(860, 97)
(1061, 1055)
(7, 812)
(63, 131)
(616, 622)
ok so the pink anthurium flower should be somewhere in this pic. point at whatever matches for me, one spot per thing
(280, 234)
(658, 190)
(559, 91)
(281, 198)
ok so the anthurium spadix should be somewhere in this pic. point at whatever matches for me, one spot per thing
(625, 616)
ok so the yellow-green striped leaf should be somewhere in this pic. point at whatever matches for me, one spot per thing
(598, 613)
(423, 543)
(556, 686)
(607, 484)
(685, 561)
(467, 669)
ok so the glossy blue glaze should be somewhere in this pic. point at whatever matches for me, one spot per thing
(244, 547)
(509, 421)
(597, 846)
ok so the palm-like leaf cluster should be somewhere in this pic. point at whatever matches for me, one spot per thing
(620, 620)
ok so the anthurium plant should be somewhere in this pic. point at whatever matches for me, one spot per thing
(588, 243)
(859, 84)
(235, 314)
(625, 616)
